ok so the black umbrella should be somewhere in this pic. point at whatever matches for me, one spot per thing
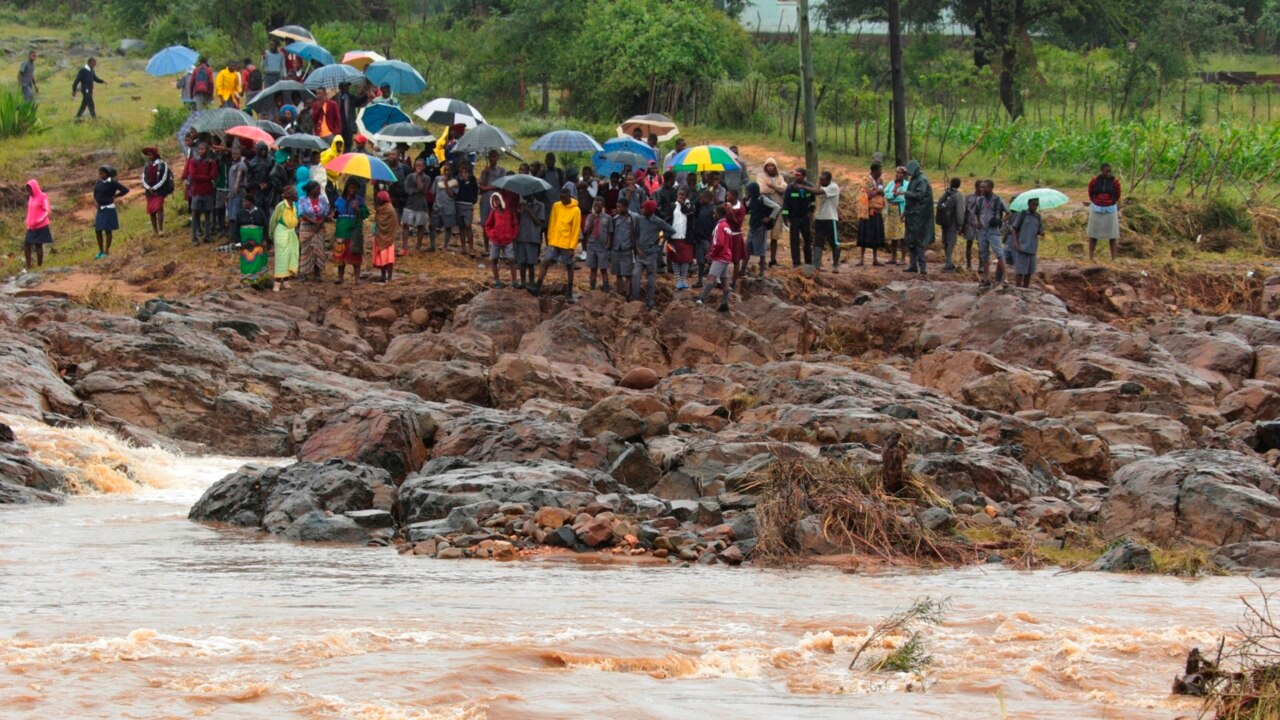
(302, 141)
(447, 111)
(402, 132)
(483, 138)
(273, 128)
(523, 185)
(265, 100)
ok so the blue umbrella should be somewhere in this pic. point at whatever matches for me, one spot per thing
(331, 76)
(398, 74)
(310, 51)
(373, 118)
(606, 165)
(172, 61)
(566, 141)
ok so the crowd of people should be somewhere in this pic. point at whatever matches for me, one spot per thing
(289, 216)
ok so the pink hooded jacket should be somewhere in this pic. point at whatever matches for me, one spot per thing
(37, 207)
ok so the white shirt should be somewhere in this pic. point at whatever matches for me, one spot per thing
(680, 222)
(829, 209)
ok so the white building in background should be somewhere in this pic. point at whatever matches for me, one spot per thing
(780, 17)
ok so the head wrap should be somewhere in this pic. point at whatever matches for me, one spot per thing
(383, 197)
(649, 206)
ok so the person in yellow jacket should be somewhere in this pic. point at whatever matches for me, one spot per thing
(564, 228)
(227, 86)
(336, 148)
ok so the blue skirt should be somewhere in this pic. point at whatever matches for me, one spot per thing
(108, 220)
(42, 236)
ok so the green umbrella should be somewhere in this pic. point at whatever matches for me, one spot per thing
(1048, 197)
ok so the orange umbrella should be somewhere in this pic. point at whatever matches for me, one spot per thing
(249, 132)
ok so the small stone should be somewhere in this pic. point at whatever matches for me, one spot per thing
(660, 553)
(1126, 557)
(732, 555)
(562, 537)
(427, 547)
(384, 316)
(419, 317)
(449, 553)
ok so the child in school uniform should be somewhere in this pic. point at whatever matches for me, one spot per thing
(107, 220)
(1025, 232)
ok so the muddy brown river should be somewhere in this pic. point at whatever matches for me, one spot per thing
(115, 606)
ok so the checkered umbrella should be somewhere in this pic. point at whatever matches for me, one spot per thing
(566, 141)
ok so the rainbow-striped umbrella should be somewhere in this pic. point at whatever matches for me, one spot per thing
(361, 165)
(704, 158)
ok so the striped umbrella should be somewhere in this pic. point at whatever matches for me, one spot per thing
(447, 111)
(361, 165)
(704, 158)
(310, 51)
(360, 59)
(482, 139)
(566, 141)
(399, 75)
(220, 119)
(331, 76)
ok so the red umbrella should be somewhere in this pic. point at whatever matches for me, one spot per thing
(254, 134)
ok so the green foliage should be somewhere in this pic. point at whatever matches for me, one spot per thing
(166, 122)
(730, 106)
(1221, 213)
(911, 655)
(17, 116)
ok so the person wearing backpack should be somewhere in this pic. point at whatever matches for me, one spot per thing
(950, 216)
(200, 85)
(157, 184)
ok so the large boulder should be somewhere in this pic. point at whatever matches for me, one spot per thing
(516, 379)
(386, 431)
(484, 435)
(447, 484)
(983, 472)
(274, 499)
(29, 382)
(1218, 358)
(440, 381)
(1203, 497)
(502, 316)
(23, 480)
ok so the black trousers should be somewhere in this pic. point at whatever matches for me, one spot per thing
(801, 236)
(87, 104)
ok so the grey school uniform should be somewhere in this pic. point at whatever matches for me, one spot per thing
(529, 237)
(634, 197)
(1027, 227)
(649, 247)
(597, 243)
(622, 254)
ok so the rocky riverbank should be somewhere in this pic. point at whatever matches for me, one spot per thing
(450, 421)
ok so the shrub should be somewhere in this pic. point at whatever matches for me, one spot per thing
(166, 122)
(17, 116)
(730, 106)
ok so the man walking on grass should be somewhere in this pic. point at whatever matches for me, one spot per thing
(84, 82)
(27, 77)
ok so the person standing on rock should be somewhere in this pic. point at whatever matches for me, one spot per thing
(871, 205)
(597, 233)
(386, 225)
(415, 218)
(971, 228)
(762, 216)
(721, 256)
(649, 248)
(27, 78)
(1104, 210)
(895, 205)
(950, 217)
(798, 212)
(199, 174)
(86, 78)
(989, 211)
(107, 220)
(826, 222)
(564, 228)
(501, 225)
(622, 247)
(774, 187)
(918, 217)
(38, 234)
(1026, 231)
(533, 219)
(284, 235)
(313, 213)
(157, 183)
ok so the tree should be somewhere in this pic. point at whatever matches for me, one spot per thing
(534, 43)
(916, 14)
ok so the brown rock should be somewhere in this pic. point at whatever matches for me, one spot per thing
(1251, 404)
(641, 378)
(552, 518)
(595, 532)
(613, 414)
(514, 379)
(384, 316)
(420, 317)
(715, 417)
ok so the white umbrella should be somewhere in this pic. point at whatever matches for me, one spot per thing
(447, 111)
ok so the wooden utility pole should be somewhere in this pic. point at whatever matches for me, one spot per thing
(806, 85)
(901, 151)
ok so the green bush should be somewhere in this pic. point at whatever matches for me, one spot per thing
(538, 125)
(17, 116)
(166, 122)
(730, 106)
(1219, 213)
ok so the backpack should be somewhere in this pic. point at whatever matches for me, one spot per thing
(202, 83)
(945, 214)
(166, 187)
